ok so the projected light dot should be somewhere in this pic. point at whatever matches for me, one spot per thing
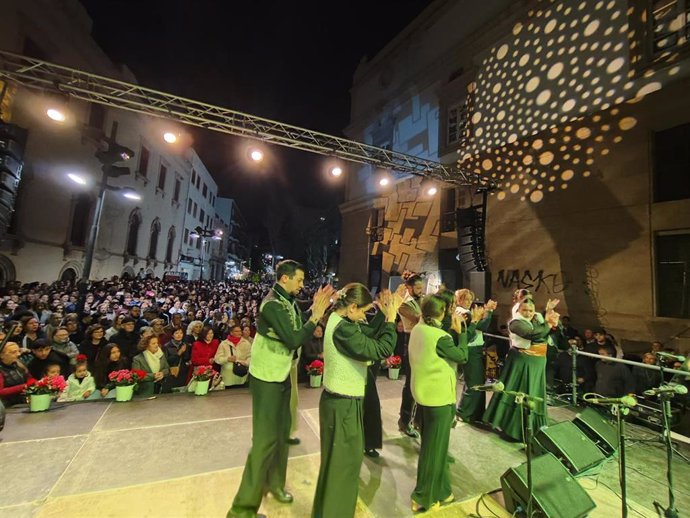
(502, 51)
(627, 123)
(591, 28)
(567, 175)
(532, 84)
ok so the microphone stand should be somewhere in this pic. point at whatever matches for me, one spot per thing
(573, 352)
(527, 402)
(670, 511)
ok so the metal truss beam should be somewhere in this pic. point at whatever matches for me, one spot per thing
(41, 75)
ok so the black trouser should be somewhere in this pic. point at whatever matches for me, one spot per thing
(373, 429)
(407, 404)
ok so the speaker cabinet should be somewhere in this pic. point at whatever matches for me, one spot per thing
(572, 447)
(556, 493)
(599, 429)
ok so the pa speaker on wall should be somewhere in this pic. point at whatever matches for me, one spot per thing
(555, 492)
(599, 429)
(572, 447)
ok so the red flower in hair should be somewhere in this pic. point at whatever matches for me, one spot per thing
(81, 358)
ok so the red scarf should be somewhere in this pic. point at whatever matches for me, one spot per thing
(234, 339)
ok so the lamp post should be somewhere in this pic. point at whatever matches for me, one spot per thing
(115, 153)
(214, 233)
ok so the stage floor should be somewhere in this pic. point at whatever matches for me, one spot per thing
(182, 456)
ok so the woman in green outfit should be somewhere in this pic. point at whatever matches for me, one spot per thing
(434, 356)
(348, 347)
(525, 370)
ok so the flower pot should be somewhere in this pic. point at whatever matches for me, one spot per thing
(393, 374)
(124, 393)
(201, 388)
(315, 380)
(39, 402)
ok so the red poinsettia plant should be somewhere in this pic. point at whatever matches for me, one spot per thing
(126, 377)
(204, 373)
(315, 368)
(46, 385)
(393, 362)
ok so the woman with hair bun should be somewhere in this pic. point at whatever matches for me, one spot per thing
(349, 345)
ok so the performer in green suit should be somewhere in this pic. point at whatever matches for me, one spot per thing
(348, 347)
(279, 333)
(434, 358)
(473, 404)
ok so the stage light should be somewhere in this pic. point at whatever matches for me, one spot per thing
(384, 181)
(56, 115)
(256, 155)
(169, 137)
(336, 171)
(76, 178)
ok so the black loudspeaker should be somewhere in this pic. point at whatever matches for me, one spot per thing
(555, 492)
(599, 429)
(480, 284)
(572, 447)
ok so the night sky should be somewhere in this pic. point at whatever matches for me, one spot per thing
(287, 61)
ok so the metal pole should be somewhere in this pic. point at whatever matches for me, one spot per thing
(91, 245)
(573, 352)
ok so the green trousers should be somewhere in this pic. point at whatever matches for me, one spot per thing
(266, 465)
(473, 402)
(433, 474)
(342, 451)
(294, 399)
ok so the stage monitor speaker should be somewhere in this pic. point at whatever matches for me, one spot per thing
(572, 447)
(599, 429)
(556, 493)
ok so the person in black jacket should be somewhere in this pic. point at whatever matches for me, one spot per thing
(613, 379)
(127, 340)
(45, 355)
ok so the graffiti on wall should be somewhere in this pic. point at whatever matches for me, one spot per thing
(540, 281)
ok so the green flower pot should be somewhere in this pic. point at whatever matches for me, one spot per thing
(124, 393)
(201, 388)
(39, 402)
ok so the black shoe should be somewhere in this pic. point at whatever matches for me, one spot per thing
(282, 496)
(293, 441)
(372, 453)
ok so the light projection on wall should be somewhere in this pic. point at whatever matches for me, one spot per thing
(554, 95)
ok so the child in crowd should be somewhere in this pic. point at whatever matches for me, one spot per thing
(80, 384)
(52, 370)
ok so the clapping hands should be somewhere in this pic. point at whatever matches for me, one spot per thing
(322, 300)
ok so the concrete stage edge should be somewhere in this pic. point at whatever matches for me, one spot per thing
(181, 455)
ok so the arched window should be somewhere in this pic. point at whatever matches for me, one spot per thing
(80, 220)
(153, 243)
(133, 232)
(169, 249)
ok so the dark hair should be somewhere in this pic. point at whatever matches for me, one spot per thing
(204, 332)
(353, 293)
(413, 279)
(288, 267)
(448, 296)
(49, 365)
(433, 307)
(92, 329)
(102, 366)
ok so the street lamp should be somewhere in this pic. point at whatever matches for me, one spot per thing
(214, 233)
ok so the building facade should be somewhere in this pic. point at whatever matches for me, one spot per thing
(579, 112)
(53, 216)
(237, 243)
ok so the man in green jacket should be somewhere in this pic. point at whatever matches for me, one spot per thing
(279, 333)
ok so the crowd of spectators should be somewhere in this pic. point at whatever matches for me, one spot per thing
(607, 378)
(163, 328)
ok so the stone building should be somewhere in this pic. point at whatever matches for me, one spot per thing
(579, 112)
(52, 220)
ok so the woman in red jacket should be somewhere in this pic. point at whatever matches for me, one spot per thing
(13, 375)
(204, 349)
